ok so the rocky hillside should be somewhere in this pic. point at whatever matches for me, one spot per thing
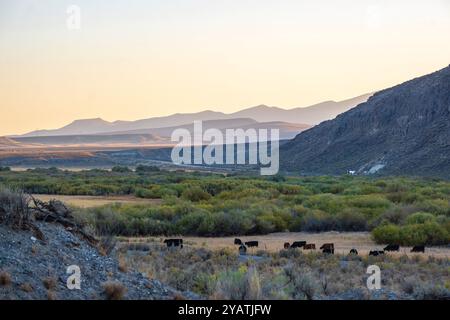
(404, 130)
(34, 256)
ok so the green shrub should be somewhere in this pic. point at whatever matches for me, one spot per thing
(214, 204)
(420, 217)
(242, 284)
(303, 285)
(350, 220)
(196, 194)
(396, 215)
(386, 234)
(436, 206)
(143, 169)
(155, 192)
(120, 169)
(428, 233)
(317, 221)
(143, 193)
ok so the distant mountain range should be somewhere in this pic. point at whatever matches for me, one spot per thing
(402, 130)
(288, 130)
(302, 117)
(142, 137)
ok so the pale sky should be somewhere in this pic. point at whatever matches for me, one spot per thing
(135, 59)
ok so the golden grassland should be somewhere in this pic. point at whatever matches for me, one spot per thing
(97, 201)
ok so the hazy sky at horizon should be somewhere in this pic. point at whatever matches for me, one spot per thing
(137, 59)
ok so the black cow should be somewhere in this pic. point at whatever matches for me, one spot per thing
(287, 245)
(242, 249)
(392, 247)
(251, 244)
(376, 253)
(418, 249)
(309, 246)
(174, 243)
(237, 241)
(298, 244)
(354, 251)
(327, 248)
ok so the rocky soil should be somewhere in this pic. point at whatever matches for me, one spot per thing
(34, 269)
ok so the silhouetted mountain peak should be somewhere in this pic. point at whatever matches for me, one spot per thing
(89, 121)
(260, 113)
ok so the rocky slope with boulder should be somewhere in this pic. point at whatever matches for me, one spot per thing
(404, 130)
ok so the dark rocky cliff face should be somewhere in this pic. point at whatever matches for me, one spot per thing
(404, 130)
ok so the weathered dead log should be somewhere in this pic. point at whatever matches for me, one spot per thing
(35, 230)
(55, 211)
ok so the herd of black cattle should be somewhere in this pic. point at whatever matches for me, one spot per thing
(326, 247)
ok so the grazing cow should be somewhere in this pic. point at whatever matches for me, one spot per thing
(309, 246)
(242, 249)
(237, 241)
(418, 249)
(298, 244)
(174, 243)
(287, 245)
(354, 251)
(376, 253)
(327, 248)
(251, 244)
(392, 247)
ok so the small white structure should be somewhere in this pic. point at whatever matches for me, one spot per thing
(351, 172)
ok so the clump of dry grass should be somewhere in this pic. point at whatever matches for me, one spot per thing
(303, 283)
(242, 284)
(178, 296)
(123, 267)
(114, 290)
(136, 246)
(15, 211)
(408, 284)
(50, 283)
(5, 278)
(14, 208)
(26, 287)
(51, 295)
(253, 284)
(427, 291)
(107, 245)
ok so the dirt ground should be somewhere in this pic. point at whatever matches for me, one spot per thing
(96, 201)
(343, 242)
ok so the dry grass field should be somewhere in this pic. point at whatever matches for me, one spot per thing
(343, 242)
(212, 268)
(96, 201)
